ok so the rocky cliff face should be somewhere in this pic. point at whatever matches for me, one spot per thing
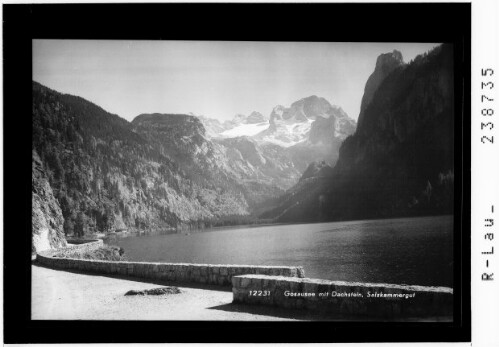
(264, 163)
(385, 64)
(250, 169)
(255, 117)
(400, 161)
(212, 126)
(317, 169)
(302, 120)
(311, 129)
(46, 216)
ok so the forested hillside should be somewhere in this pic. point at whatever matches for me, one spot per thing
(108, 174)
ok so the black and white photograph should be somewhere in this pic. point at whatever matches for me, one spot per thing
(294, 180)
(251, 179)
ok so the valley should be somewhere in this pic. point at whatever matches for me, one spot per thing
(95, 172)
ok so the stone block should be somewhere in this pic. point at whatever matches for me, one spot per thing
(325, 288)
(310, 287)
(238, 298)
(275, 272)
(257, 283)
(295, 286)
(203, 271)
(300, 303)
(236, 281)
(245, 282)
(269, 284)
(288, 303)
(211, 278)
(283, 284)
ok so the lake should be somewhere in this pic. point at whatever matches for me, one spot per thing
(401, 251)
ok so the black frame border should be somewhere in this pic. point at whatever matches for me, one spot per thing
(416, 22)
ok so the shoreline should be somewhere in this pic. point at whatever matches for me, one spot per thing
(173, 231)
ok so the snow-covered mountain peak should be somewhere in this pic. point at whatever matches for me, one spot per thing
(288, 126)
(277, 112)
(256, 117)
(245, 130)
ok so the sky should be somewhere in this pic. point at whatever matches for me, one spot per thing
(217, 79)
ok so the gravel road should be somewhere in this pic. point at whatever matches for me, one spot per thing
(67, 295)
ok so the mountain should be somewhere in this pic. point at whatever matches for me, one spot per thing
(400, 160)
(293, 125)
(317, 169)
(385, 64)
(94, 171)
(212, 126)
(310, 129)
(329, 128)
(46, 216)
(260, 162)
(240, 125)
(239, 162)
(255, 117)
(244, 129)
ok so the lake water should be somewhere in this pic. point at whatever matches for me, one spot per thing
(401, 251)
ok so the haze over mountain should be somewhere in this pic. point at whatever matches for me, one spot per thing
(400, 160)
(310, 129)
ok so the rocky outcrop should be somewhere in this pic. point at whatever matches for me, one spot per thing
(311, 129)
(275, 117)
(333, 129)
(400, 161)
(264, 163)
(317, 169)
(46, 216)
(212, 126)
(385, 64)
(255, 117)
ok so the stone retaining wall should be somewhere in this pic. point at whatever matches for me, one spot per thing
(344, 298)
(193, 273)
(73, 245)
(83, 244)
